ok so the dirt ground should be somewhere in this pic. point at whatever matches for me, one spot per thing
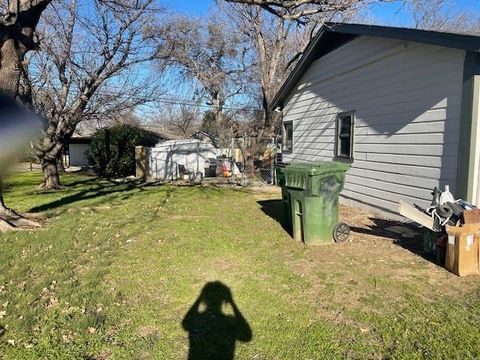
(381, 252)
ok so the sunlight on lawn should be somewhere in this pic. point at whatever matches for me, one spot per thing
(116, 268)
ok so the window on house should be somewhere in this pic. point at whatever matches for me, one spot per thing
(287, 136)
(345, 125)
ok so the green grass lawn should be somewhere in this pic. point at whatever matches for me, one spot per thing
(116, 268)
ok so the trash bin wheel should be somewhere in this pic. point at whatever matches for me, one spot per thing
(341, 232)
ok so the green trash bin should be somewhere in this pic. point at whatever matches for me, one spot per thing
(312, 194)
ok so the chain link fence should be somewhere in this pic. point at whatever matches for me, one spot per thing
(255, 158)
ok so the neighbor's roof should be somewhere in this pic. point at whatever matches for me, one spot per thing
(197, 133)
(183, 142)
(84, 132)
(82, 136)
(333, 35)
(162, 134)
(87, 133)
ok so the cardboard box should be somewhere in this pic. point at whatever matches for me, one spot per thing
(472, 216)
(463, 251)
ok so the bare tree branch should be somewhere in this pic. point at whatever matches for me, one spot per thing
(302, 10)
(211, 54)
(95, 69)
(18, 20)
(276, 45)
(442, 15)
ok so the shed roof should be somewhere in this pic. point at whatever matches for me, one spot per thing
(162, 133)
(184, 143)
(334, 35)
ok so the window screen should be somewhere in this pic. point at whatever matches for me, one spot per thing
(345, 135)
(288, 136)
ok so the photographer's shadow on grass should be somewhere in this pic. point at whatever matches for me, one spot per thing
(214, 324)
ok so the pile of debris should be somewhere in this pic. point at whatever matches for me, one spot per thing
(455, 226)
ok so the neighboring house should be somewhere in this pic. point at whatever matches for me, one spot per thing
(206, 137)
(400, 105)
(78, 148)
(79, 144)
(161, 134)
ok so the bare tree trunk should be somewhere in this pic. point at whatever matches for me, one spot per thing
(4, 210)
(224, 135)
(10, 68)
(9, 219)
(49, 152)
(268, 128)
(10, 61)
(250, 166)
(4, 223)
(49, 162)
(60, 161)
(17, 26)
(51, 176)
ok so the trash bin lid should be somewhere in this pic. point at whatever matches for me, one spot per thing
(318, 167)
(298, 174)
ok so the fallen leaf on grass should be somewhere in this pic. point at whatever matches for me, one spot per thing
(21, 286)
(52, 285)
(68, 336)
(52, 302)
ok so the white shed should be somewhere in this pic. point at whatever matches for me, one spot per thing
(400, 105)
(166, 159)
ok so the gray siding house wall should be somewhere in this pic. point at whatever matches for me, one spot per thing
(407, 101)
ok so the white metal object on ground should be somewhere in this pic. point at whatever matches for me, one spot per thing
(414, 214)
(446, 196)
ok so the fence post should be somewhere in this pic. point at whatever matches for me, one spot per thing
(141, 162)
(272, 162)
(244, 157)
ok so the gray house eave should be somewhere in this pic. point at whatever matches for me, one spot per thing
(462, 41)
(334, 35)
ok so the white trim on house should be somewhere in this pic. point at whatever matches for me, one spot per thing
(475, 147)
